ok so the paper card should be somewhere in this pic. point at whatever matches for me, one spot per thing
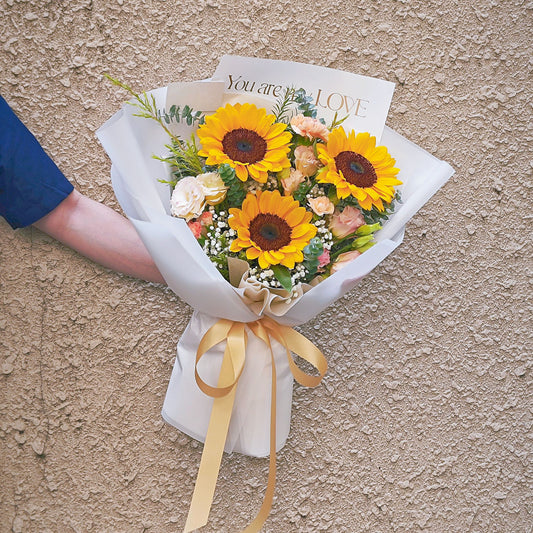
(364, 100)
(203, 96)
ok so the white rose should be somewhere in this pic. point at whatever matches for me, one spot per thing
(188, 199)
(213, 186)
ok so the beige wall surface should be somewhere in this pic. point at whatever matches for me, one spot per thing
(423, 421)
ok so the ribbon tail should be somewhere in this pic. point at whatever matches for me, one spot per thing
(215, 440)
(224, 394)
(266, 506)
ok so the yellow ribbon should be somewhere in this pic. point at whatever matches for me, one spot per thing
(235, 336)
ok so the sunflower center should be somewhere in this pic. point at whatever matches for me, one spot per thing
(356, 169)
(270, 232)
(244, 146)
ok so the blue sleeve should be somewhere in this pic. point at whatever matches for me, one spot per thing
(31, 185)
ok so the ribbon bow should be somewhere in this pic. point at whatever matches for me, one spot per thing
(235, 336)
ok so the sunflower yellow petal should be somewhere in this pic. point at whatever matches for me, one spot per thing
(242, 172)
(252, 253)
(234, 246)
(263, 263)
(296, 216)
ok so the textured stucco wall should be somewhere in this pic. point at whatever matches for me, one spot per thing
(423, 421)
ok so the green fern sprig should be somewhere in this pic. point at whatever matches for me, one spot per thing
(146, 105)
(283, 105)
(183, 159)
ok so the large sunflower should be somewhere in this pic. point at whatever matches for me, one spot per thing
(357, 167)
(273, 229)
(247, 139)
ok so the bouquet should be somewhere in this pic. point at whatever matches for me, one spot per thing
(263, 205)
(280, 199)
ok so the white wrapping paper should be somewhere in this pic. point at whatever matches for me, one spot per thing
(130, 142)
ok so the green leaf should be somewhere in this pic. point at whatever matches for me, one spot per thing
(282, 106)
(305, 103)
(312, 252)
(300, 194)
(236, 192)
(336, 121)
(283, 275)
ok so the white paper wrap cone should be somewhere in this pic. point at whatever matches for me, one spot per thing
(189, 409)
(130, 142)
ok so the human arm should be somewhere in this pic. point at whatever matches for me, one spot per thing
(101, 234)
(34, 191)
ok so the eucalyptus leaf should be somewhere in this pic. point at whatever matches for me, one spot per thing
(283, 275)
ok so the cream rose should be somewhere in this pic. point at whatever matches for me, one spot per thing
(322, 205)
(344, 259)
(188, 199)
(213, 186)
(291, 183)
(305, 160)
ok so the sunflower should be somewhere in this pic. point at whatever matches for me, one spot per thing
(247, 139)
(273, 229)
(357, 167)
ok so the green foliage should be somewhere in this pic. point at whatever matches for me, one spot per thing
(183, 159)
(312, 252)
(337, 121)
(148, 109)
(176, 114)
(291, 96)
(145, 104)
(300, 194)
(304, 103)
(236, 192)
(374, 215)
(283, 275)
(172, 183)
(283, 105)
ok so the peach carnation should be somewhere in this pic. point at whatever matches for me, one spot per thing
(206, 218)
(196, 228)
(305, 160)
(309, 127)
(322, 205)
(291, 183)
